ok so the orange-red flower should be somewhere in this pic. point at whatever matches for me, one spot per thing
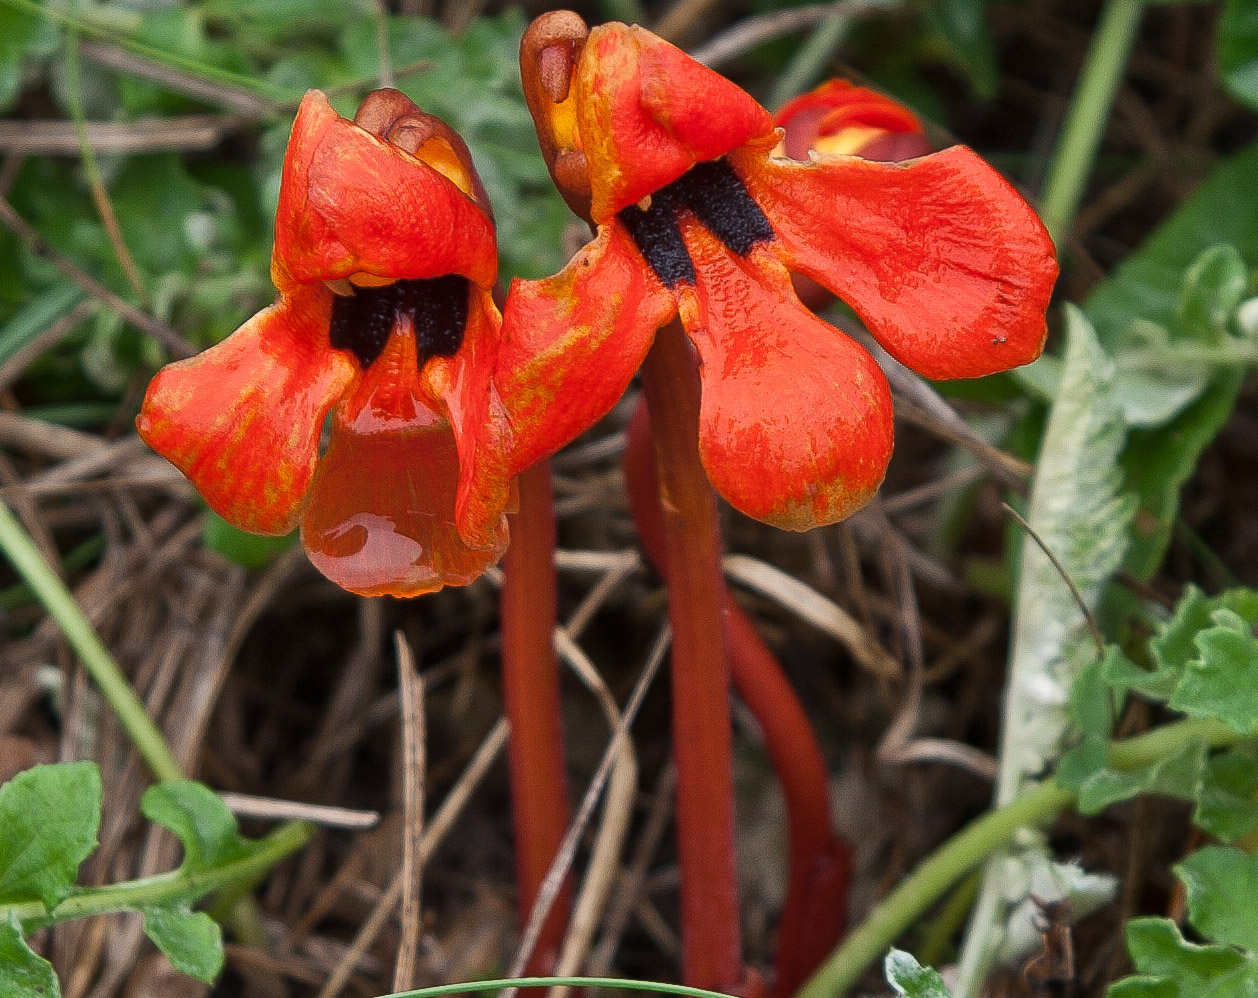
(946, 264)
(840, 119)
(384, 259)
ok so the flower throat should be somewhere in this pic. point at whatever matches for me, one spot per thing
(721, 203)
(437, 307)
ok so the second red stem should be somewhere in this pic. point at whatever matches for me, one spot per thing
(530, 683)
(702, 741)
(818, 862)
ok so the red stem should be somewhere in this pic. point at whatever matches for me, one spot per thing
(711, 933)
(530, 683)
(818, 862)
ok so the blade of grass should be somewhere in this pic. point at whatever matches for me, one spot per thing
(1088, 113)
(21, 552)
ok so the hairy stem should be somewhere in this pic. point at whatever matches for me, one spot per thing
(970, 848)
(711, 934)
(530, 683)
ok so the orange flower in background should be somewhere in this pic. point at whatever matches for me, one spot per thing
(946, 264)
(840, 119)
(384, 259)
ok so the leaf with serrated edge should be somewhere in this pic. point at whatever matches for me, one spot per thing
(200, 819)
(23, 974)
(1221, 884)
(1226, 807)
(1223, 681)
(1165, 960)
(191, 940)
(910, 978)
(49, 816)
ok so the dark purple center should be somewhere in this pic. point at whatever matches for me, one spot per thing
(436, 306)
(717, 198)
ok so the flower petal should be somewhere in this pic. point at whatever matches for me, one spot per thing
(645, 110)
(350, 202)
(242, 420)
(840, 118)
(571, 343)
(942, 259)
(381, 514)
(463, 386)
(795, 424)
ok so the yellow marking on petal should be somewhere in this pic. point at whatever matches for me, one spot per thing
(847, 141)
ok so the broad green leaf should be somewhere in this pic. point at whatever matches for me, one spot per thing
(49, 816)
(23, 974)
(201, 821)
(1226, 805)
(1221, 884)
(246, 550)
(1159, 462)
(1238, 50)
(1147, 284)
(910, 978)
(191, 940)
(1222, 682)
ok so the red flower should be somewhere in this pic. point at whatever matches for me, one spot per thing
(840, 119)
(384, 259)
(946, 264)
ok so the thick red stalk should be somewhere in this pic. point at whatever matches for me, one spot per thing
(702, 743)
(818, 862)
(530, 683)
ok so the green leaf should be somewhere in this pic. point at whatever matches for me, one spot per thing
(1158, 463)
(1221, 884)
(1177, 775)
(192, 941)
(1078, 510)
(1222, 682)
(201, 821)
(1212, 290)
(23, 37)
(49, 816)
(1147, 284)
(45, 309)
(246, 550)
(23, 973)
(962, 27)
(1171, 966)
(1238, 50)
(910, 978)
(1226, 806)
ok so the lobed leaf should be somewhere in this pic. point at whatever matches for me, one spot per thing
(200, 820)
(49, 816)
(191, 941)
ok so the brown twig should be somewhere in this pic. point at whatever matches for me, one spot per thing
(413, 767)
